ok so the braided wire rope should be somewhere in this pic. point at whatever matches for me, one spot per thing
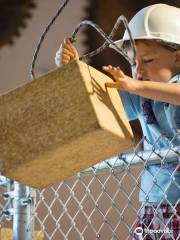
(43, 37)
(108, 38)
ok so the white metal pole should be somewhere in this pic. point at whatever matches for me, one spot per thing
(23, 227)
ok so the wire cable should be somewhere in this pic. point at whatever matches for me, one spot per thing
(108, 39)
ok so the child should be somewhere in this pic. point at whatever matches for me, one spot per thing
(152, 96)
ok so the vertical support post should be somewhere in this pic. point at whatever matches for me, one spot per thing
(23, 225)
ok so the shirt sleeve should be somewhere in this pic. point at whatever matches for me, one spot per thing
(173, 111)
(131, 104)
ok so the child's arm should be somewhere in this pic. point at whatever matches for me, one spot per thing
(161, 91)
(66, 53)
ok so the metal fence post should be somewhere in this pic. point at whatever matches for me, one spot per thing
(22, 205)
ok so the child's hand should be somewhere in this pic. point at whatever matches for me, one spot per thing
(66, 53)
(122, 81)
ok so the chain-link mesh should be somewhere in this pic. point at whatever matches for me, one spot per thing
(103, 203)
(5, 205)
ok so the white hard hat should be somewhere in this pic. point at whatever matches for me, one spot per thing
(156, 22)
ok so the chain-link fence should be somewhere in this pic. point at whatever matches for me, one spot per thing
(5, 205)
(103, 202)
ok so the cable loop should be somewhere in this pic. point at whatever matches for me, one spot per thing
(108, 38)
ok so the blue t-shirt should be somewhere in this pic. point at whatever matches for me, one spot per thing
(156, 118)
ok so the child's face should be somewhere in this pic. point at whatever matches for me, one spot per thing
(153, 62)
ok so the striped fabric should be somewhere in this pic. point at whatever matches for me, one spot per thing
(158, 223)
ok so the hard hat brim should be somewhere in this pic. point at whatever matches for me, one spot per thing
(120, 42)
